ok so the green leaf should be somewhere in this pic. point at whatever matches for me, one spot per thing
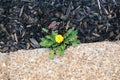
(54, 33)
(71, 36)
(63, 46)
(55, 45)
(50, 37)
(45, 30)
(51, 55)
(46, 42)
(42, 39)
(60, 51)
(75, 42)
(66, 42)
(69, 32)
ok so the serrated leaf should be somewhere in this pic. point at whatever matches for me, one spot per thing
(69, 32)
(72, 36)
(51, 55)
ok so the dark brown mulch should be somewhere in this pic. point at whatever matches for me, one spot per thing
(21, 21)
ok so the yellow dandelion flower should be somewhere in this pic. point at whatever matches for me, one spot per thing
(59, 38)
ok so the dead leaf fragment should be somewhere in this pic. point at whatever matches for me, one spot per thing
(52, 24)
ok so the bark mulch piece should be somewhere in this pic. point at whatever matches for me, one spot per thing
(21, 21)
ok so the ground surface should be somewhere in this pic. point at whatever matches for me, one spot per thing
(93, 61)
(21, 21)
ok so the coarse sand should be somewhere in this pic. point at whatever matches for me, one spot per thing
(88, 61)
